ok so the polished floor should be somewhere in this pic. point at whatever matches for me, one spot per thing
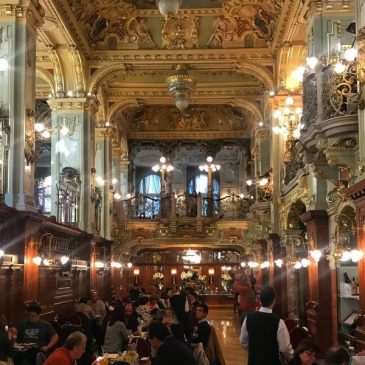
(228, 331)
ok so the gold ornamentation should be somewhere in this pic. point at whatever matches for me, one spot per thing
(180, 32)
(29, 142)
(361, 65)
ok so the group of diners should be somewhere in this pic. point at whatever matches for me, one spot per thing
(177, 320)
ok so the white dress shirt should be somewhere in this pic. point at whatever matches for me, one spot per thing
(282, 335)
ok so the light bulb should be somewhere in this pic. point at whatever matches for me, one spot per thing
(116, 265)
(316, 255)
(243, 264)
(46, 134)
(289, 100)
(163, 160)
(209, 159)
(312, 62)
(350, 54)
(37, 260)
(339, 68)
(279, 262)
(39, 127)
(64, 260)
(305, 262)
(129, 265)
(249, 182)
(117, 196)
(297, 265)
(356, 255)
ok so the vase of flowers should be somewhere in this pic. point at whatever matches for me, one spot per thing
(227, 281)
(158, 279)
(202, 283)
(188, 278)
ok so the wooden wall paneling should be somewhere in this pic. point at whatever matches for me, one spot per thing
(64, 301)
(31, 270)
(279, 279)
(322, 317)
(47, 292)
(14, 297)
(357, 194)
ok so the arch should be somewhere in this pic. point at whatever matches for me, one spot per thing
(119, 106)
(101, 73)
(251, 106)
(260, 72)
(46, 76)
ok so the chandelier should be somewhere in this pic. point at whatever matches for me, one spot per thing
(168, 7)
(191, 257)
(181, 85)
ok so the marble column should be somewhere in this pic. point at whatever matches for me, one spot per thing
(19, 21)
(103, 165)
(76, 149)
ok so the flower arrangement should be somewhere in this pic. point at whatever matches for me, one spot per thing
(193, 279)
(227, 281)
(158, 279)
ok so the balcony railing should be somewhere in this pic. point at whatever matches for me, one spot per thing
(146, 207)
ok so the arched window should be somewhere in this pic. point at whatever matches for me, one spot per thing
(199, 184)
(149, 189)
(150, 185)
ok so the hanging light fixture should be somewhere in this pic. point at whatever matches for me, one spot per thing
(168, 7)
(181, 85)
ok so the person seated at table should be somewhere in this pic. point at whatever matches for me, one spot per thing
(6, 346)
(38, 332)
(174, 327)
(166, 349)
(116, 336)
(72, 350)
(143, 311)
(85, 308)
(130, 318)
(202, 330)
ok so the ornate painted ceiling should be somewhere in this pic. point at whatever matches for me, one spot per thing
(123, 51)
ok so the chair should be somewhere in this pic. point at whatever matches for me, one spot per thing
(297, 335)
(290, 324)
(142, 347)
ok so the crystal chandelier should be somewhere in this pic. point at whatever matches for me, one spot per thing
(181, 85)
(168, 7)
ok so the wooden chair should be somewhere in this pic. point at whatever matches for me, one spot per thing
(297, 335)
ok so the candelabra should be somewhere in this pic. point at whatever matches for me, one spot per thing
(210, 168)
(164, 168)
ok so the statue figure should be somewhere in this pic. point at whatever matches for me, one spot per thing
(138, 32)
(361, 65)
(223, 29)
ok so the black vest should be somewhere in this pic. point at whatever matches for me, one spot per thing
(263, 347)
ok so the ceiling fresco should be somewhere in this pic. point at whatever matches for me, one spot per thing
(116, 24)
(197, 118)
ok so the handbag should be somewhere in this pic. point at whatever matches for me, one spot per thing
(200, 355)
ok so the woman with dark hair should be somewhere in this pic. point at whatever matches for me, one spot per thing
(116, 336)
(306, 353)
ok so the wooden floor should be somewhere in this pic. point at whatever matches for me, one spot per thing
(228, 330)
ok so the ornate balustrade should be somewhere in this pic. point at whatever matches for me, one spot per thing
(146, 207)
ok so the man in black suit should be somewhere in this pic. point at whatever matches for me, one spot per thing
(166, 349)
(179, 304)
(265, 335)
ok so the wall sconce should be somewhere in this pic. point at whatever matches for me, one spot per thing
(173, 273)
(211, 272)
(116, 265)
(129, 265)
(99, 265)
(37, 260)
(136, 274)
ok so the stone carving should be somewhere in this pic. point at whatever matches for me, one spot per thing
(361, 65)
(29, 142)
(180, 32)
(194, 121)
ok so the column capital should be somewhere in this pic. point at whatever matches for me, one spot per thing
(31, 10)
(74, 104)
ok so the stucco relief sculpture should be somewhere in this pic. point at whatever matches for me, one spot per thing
(180, 32)
(243, 24)
(361, 65)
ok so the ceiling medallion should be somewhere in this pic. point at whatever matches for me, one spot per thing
(168, 7)
(181, 85)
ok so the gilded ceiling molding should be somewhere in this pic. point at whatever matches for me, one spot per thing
(251, 106)
(59, 80)
(361, 65)
(46, 76)
(75, 57)
(120, 106)
(102, 73)
(180, 32)
(258, 71)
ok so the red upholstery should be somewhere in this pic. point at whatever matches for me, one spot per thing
(297, 335)
(143, 347)
(290, 324)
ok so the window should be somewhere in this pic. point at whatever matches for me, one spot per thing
(148, 201)
(150, 185)
(199, 184)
